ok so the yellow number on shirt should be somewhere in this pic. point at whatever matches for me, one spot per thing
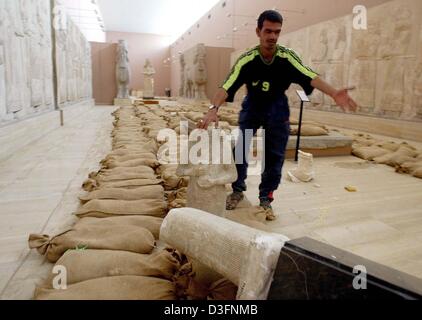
(266, 86)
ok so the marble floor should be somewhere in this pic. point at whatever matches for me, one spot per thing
(38, 192)
(39, 185)
(382, 221)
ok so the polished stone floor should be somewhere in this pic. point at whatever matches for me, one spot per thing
(39, 185)
(38, 192)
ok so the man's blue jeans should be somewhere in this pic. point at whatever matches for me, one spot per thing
(277, 132)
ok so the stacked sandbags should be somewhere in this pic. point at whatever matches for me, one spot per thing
(402, 156)
(83, 265)
(308, 129)
(116, 237)
(193, 286)
(155, 192)
(232, 118)
(113, 288)
(170, 179)
(109, 252)
(177, 198)
(99, 208)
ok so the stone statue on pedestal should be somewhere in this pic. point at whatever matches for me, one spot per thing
(207, 184)
(149, 72)
(122, 70)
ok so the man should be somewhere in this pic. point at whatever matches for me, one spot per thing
(267, 70)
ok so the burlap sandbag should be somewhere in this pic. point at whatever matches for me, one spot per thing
(171, 180)
(369, 153)
(150, 146)
(109, 208)
(178, 203)
(118, 171)
(147, 192)
(89, 185)
(116, 237)
(129, 140)
(128, 184)
(177, 198)
(122, 152)
(125, 176)
(82, 265)
(362, 142)
(417, 172)
(153, 224)
(177, 194)
(407, 166)
(131, 157)
(389, 145)
(308, 131)
(133, 163)
(195, 116)
(392, 160)
(403, 154)
(222, 290)
(113, 288)
(108, 160)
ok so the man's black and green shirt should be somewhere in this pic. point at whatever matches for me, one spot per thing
(266, 82)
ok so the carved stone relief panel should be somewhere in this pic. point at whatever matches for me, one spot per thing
(194, 73)
(417, 87)
(26, 58)
(383, 62)
(73, 61)
(3, 110)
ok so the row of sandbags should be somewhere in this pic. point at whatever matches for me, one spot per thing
(402, 156)
(120, 222)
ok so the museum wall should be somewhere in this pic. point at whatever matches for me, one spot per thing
(215, 28)
(28, 106)
(104, 72)
(26, 66)
(26, 61)
(146, 46)
(74, 66)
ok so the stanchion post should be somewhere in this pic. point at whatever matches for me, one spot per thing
(303, 98)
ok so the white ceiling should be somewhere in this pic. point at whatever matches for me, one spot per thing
(87, 16)
(162, 17)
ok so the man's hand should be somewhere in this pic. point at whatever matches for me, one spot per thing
(343, 100)
(211, 116)
(341, 97)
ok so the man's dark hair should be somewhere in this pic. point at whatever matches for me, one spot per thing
(269, 15)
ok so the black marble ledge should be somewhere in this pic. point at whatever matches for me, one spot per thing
(309, 269)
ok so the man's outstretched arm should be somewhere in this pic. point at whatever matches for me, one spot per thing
(341, 97)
